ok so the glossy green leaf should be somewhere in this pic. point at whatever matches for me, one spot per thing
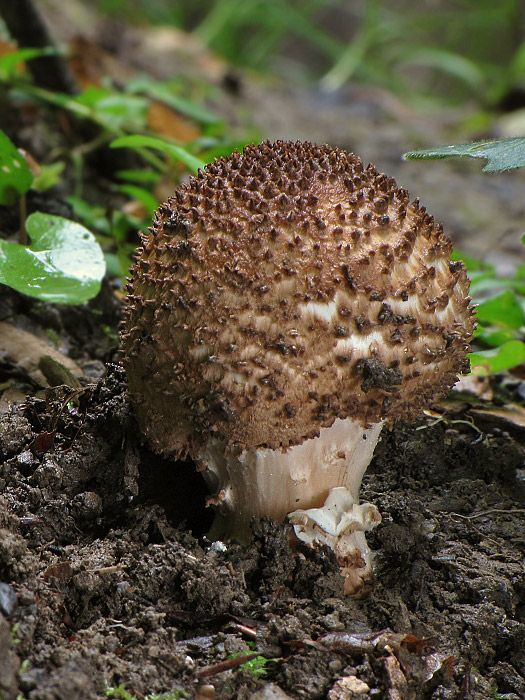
(138, 141)
(503, 311)
(64, 263)
(501, 154)
(507, 356)
(15, 176)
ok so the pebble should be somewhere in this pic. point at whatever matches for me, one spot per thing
(8, 599)
(205, 692)
(93, 370)
(270, 692)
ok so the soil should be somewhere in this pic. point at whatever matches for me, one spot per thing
(108, 580)
(110, 588)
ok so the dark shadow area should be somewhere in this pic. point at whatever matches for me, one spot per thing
(178, 488)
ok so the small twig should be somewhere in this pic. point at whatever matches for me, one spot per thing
(105, 569)
(30, 520)
(509, 511)
(470, 524)
(244, 629)
(226, 665)
(70, 397)
(466, 685)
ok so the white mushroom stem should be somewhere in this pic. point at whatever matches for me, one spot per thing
(316, 484)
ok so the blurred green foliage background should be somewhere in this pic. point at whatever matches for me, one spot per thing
(455, 49)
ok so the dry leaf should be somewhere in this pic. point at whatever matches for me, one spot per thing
(472, 384)
(11, 398)
(61, 572)
(89, 63)
(25, 350)
(44, 441)
(165, 121)
(398, 682)
(32, 164)
(510, 417)
(348, 688)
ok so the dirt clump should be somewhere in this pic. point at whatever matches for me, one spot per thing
(110, 586)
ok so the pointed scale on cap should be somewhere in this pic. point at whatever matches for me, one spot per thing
(284, 288)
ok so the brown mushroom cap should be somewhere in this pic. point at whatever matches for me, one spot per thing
(283, 288)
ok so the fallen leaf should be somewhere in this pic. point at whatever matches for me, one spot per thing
(415, 645)
(26, 350)
(510, 417)
(56, 373)
(44, 441)
(472, 384)
(165, 121)
(348, 688)
(61, 572)
(398, 682)
(90, 63)
(11, 398)
(355, 643)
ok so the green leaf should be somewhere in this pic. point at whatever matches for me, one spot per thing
(64, 263)
(137, 141)
(166, 92)
(507, 356)
(148, 201)
(93, 216)
(447, 61)
(9, 62)
(217, 148)
(501, 154)
(503, 311)
(49, 177)
(472, 264)
(492, 337)
(480, 285)
(137, 175)
(115, 109)
(15, 176)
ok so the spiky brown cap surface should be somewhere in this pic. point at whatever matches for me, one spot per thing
(285, 287)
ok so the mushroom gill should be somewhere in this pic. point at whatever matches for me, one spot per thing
(287, 303)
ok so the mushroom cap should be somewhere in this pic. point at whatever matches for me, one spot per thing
(283, 288)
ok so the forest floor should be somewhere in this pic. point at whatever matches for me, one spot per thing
(108, 585)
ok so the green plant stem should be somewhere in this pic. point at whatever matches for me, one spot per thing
(84, 112)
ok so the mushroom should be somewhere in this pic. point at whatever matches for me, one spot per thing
(286, 304)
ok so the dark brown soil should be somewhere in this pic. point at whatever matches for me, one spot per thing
(107, 579)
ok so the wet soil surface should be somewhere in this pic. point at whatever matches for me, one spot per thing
(107, 578)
